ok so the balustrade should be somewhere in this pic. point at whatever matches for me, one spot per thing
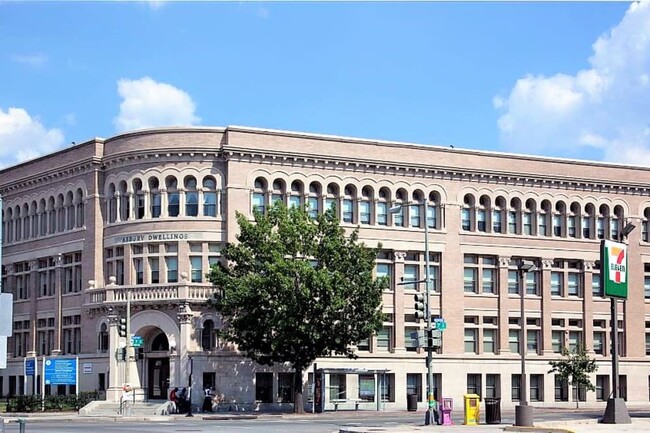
(150, 293)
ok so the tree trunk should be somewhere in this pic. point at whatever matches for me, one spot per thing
(298, 406)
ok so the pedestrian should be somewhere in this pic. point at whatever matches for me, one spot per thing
(207, 399)
(173, 399)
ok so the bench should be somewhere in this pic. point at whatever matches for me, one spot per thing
(341, 401)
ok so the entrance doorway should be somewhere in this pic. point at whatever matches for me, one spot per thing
(158, 378)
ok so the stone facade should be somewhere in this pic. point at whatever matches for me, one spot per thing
(138, 219)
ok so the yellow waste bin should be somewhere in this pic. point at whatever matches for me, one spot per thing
(472, 413)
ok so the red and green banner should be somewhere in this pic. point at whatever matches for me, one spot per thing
(613, 258)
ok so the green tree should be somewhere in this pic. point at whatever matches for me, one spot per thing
(296, 288)
(575, 368)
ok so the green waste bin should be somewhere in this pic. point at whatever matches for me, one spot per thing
(493, 411)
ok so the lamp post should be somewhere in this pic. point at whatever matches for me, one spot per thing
(523, 412)
(616, 411)
(429, 418)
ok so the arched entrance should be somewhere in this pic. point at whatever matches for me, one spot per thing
(158, 368)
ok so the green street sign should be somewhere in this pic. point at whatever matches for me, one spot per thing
(614, 276)
(137, 341)
(440, 324)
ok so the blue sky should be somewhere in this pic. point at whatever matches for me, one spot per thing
(557, 79)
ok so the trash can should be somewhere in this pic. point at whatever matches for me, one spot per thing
(493, 411)
(412, 402)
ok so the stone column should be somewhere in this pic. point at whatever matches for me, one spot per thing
(185, 349)
(504, 323)
(146, 198)
(398, 301)
(547, 308)
(163, 203)
(118, 206)
(115, 369)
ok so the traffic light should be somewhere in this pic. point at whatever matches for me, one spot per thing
(420, 307)
(430, 338)
(140, 353)
(121, 327)
(121, 353)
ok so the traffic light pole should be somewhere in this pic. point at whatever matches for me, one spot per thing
(127, 358)
(429, 418)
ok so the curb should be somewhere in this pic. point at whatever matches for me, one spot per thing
(538, 429)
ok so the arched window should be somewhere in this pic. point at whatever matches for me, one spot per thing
(415, 212)
(332, 198)
(527, 217)
(191, 197)
(102, 342)
(365, 205)
(466, 212)
(279, 190)
(543, 216)
(558, 219)
(60, 211)
(209, 196)
(173, 197)
(160, 343)
(482, 213)
(80, 219)
(259, 195)
(154, 190)
(433, 210)
(350, 194)
(646, 224)
(69, 210)
(51, 212)
(295, 199)
(208, 334)
(572, 220)
(125, 203)
(33, 211)
(18, 225)
(616, 222)
(382, 206)
(400, 200)
(26, 222)
(513, 216)
(138, 197)
(112, 204)
(313, 201)
(42, 217)
(498, 215)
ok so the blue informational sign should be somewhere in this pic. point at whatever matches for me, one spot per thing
(30, 367)
(61, 371)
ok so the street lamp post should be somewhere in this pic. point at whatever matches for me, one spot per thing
(429, 417)
(523, 412)
(616, 411)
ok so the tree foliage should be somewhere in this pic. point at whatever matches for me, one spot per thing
(295, 289)
(575, 368)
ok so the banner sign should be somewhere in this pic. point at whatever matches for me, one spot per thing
(30, 367)
(613, 259)
(61, 371)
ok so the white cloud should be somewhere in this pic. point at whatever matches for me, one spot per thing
(605, 107)
(147, 103)
(23, 137)
(33, 60)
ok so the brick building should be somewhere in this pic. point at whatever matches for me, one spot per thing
(143, 215)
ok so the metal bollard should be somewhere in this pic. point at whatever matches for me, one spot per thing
(21, 425)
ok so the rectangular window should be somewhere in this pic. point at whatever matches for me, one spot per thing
(474, 384)
(492, 385)
(646, 287)
(513, 341)
(414, 385)
(532, 339)
(172, 269)
(515, 387)
(488, 280)
(528, 223)
(512, 222)
(337, 388)
(364, 212)
(196, 263)
(596, 290)
(367, 387)
(561, 389)
(432, 213)
(586, 227)
(599, 343)
(398, 218)
(138, 267)
(469, 280)
(154, 267)
(410, 276)
(531, 283)
(536, 387)
(647, 343)
(575, 340)
(480, 221)
(557, 341)
(285, 387)
(602, 387)
(348, 211)
(312, 207)
(264, 387)
(411, 338)
(385, 270)
(571, 226)
(258, 202)
(384, 340)
(573, 284)
(415, 216)
(465, 216)
(557, 225)
(541, 225)
(173, 206)
(600, 228)
(496, 221)
(191, 203)
(295, 201)
(513, 282)
(470, 340)
(209, 203)
(382, 213)
(557, 283)
(489, 341)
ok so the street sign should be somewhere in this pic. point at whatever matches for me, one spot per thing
(61, 371)
(137, 341)
(613, 259)
(30, 367)
(440, 324)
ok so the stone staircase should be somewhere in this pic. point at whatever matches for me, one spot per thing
(101, 408)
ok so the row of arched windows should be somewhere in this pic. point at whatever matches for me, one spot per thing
(172, 197)
(365, 205)
(57, 213)
(533, 218)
